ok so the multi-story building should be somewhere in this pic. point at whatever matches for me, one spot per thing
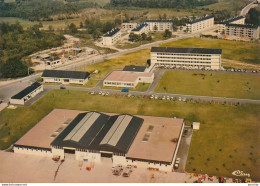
(111, 37)
(239, 20)
(244, 31)
(200, 24)
(128, 26)
(142, 28)
(159, 24)
(192, 58)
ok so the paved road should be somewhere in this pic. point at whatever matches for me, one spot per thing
(246, 9)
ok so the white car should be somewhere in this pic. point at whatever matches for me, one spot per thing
(163, 97)
(179, 99)
(100, 93)
(168, 97)
(92, 92)
(156, 97)
(152, 96)
(178, 160)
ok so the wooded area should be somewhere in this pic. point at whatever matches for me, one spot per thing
(16, 43)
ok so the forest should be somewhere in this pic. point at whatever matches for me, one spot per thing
(162, 3)
(17, 43)
(36, 10)
(253, 16)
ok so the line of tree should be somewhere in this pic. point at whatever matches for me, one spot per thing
(36, 10)
(17, 43)
(162, 3)
(139, 37)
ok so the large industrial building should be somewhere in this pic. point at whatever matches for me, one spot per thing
(143, 141)
(65, 77)
(26, 94)
(200, 24)
(159, 24)
(111, 37)
(192, 58)
(127, 78)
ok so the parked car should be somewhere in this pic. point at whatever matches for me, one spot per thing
(125, 90)
(92, 92)
(178, 160)
(127, 171)
(168, 97)
(185, 132)
(62, 87)
(152, 96)
(155, 97)
(107, 93)
(179, 98)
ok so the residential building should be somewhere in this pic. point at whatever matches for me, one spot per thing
(43, 56)
(142, 28)
(191, 58)
(26, 94)
(239, 20)
(159, 24)
(127, 79)
(92, 136)
(128, 26)
(242, 31)
(111, 37)
(200, 24)
(65, 77)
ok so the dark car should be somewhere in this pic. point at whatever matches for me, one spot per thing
(185, 132)
(62, 87)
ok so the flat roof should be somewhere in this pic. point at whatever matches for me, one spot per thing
(112, 32)
(40, 134)
(126, 76)
(65, 74)
(187, 50)
(154, 140)
(201, 19)
(134, 68)
(26, 91)
(243, 26)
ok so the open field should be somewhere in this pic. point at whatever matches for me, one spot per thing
(134, 58)
(210, 84)
(232, 5)
(235, 50)
(142, 87)
(229, 135)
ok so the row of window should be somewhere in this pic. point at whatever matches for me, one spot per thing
(184, 58)
(190, 55)
(183, 61)
(118, 83)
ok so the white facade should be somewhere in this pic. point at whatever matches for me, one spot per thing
(200, 24)
(240, 20)
(64, 80)
(128, 26)
(143, 28)
(186, 60)
(27, 97)
(111, 37)
(159, 25)
(129, 79)
(243, 31)
(53, 62)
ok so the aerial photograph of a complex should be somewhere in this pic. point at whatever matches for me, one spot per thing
(129, 91)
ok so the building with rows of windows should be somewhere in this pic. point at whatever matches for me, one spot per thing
(159, 24)
(111, 37)
(200, 24)
(190, 58)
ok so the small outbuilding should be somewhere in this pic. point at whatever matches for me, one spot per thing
(26, 94)
(196, 125)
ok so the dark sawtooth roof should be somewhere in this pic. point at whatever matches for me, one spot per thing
(91, 140)
(201, 19)
(26, 91)
(112, 32)
(65, 74)
(134, 68)
(187, 50)
(139, 27)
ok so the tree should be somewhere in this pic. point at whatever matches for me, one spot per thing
(167, 33)
(174, 27)
(81, 25)
(13, 68)
(155, 27)
(72, 28)
(143, 36)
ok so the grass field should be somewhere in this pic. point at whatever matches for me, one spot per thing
(142, 87)
(235, 50)
(210, 84)
(134, 58)
(228, 138)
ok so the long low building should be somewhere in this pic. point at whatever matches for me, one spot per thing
(65, 77)
(127, 78)
(200, 24)
(159, 24)
(239, 20)
(25, 95)
(142, 28)
(243, 31)
(143, 141)
(192, 58)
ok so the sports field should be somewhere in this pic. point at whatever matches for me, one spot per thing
(210, 84)
(228, 139)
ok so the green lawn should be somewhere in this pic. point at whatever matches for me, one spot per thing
(210, 84)
(235, 50)
(134, 58)
(228, 137)
(142, 87)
